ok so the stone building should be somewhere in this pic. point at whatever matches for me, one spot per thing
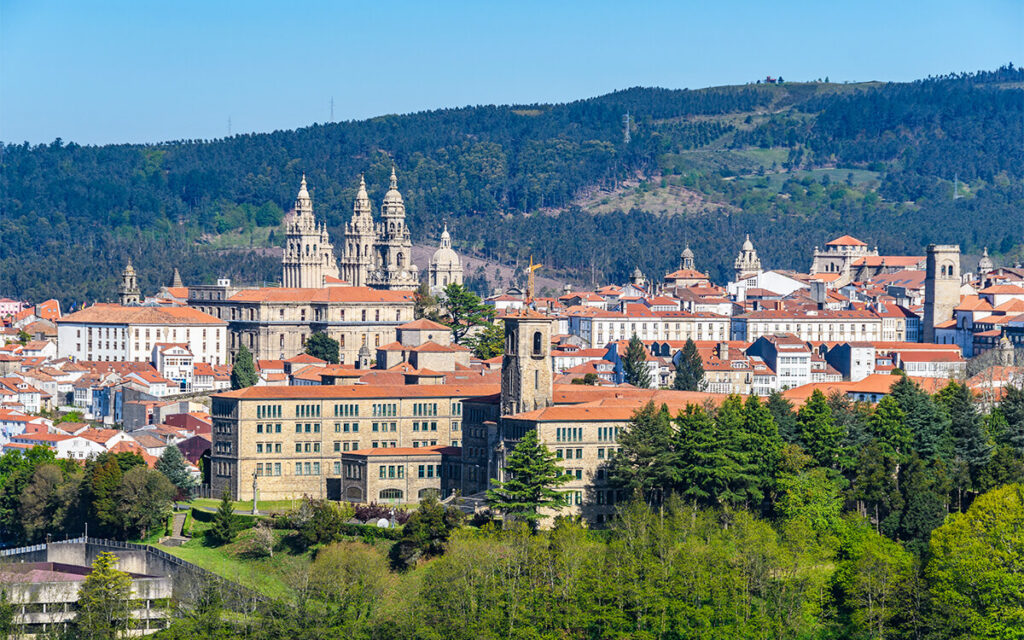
(445, 267)
(941, 287)
(128, 293)
(839, 255)
(401, 475)
(308, 253)
(747, 263)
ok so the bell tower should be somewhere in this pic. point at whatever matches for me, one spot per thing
(941, 287)
(526, 376)
(128, 293)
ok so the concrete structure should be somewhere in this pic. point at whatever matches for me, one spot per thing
(308, 259)
(941, 287)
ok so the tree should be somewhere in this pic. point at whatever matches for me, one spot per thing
(103, 479)
(785, 419)
(1012, 408)
(700, 459)
(924, 502)
(533, 475)
(104, 610)
(975, 573)
(144, 500)
(643, 460)
(489, 342)
(589, 379)
(243, 372)
(971, 447)
(818, 433)
(425, 533)
(320, 345)
(23, 336)
(462, 310)
(689, 369)
(742, 481)
(889, 428)
(172, 464)
(7, 612)
(634, 365)
(765, 442)
(225, 525)
(927, 423)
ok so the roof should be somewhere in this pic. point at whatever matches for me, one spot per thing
(305, 358)
(327, 392)
(423, 324)
(846, 241)
(326, 294)
(888, 261)
(103, 313)
(1004, 289)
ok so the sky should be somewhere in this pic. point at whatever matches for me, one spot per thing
(112, 72)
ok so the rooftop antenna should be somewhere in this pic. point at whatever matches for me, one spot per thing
(625, 121)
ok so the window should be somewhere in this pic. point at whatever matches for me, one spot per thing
(391, 494)
(538, 340)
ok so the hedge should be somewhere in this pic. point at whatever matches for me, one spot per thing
(244, 521)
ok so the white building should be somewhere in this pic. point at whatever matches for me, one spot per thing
(175, 363)
(822, 325)
(116, 333)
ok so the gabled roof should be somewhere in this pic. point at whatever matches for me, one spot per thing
(103, 313)
(423, 324)
(846, 241)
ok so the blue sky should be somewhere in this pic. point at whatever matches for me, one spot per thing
(143, 71)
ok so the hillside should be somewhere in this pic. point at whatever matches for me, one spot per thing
(790, 164)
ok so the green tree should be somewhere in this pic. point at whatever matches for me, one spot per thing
(23, 336)
(643, 460)
(741, 453)
(171, 463)
(889, 428)
(243, 372)
(634, 364)
(700, 459)
(924, 502)
(225, 524)
(927, 423)
(144, 500)
(1012, 408)
(103, 480)
(812, 497)
(689, 369)
(425, 533)
(766, 443)
(462, 310)
(104, 610)
(975, 573)
(320, 345)
(972, 449)
(874, 486)
(533, 475)
(819, 435)
(489, 342)
(785, 418)
(7, 612)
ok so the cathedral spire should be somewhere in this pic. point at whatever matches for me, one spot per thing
(394, 179)
(303, 203)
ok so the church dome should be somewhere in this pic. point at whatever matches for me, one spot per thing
(393, 196)
(985, 264)
(445, 256)
(687, 252)
(747, 244)
(637, 273)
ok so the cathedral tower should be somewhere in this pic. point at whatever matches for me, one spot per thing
(395, 269)
(526, 375)
(358, 257)
(747, 261)
(686, 261)
(308, 252)
(128, 293)
(445, 266)
(941, 287)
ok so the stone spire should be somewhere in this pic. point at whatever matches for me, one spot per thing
(303, 203)
(686, 259)
(128, 293)
(176, 279)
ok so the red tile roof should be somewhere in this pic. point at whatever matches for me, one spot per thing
(103, 313)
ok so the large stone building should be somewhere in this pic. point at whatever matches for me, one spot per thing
(274, 322)
(379, 255)
(445, 267)
(308, 253)
(747, 263)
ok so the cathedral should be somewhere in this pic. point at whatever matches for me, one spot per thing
(374, 254)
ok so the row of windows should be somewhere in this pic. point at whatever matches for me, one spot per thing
(307, 468)
(424, 426)
(392, 471)
(307, 411)
(307, 447)
(271, 468)
(345, 446)
(268, 411)
(309, 427)
(346, 410)
(346, 427)
(268, 428)
(424, 409)
(416, 444)
(568, 434)
(385, 444)
(386, 409)
(608, 434)
(268, 447)
(384, 426)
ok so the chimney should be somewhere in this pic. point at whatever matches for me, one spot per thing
(723, 351)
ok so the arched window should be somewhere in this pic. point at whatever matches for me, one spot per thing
(538, 340)
(391, 494)
(355, 494)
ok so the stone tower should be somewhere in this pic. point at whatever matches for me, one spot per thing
(395, 270)
(176, 279)
(526, 377)
(128, 293)
(445, 266)
(358, 257)
(308, 252)
(686, 259)
(941, 287)
(747, 261)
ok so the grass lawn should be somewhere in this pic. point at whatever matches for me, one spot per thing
(246, 505)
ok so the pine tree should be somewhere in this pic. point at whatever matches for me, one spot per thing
(742, 482)
(533, 475)
(102, 485)
(643, 459)
(104, 612)
(766, 443)
(320, 345)
(701, 459)
(927, 423)
(634, 364)
(172, 464)
(971, 447)
(1012, 407)
(225, 524)
(924, 503)
(819, 435)
(689, 369)
(463, 310)
(785, 418)
(889, 428)
(243, 373)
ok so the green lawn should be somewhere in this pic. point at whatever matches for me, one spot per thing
(246, 505)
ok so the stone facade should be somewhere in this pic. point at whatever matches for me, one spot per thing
(445, 267)
(941, 287)
(402, 475)
(308, 253)
(747, 262)
(128, 293)
(526, 374)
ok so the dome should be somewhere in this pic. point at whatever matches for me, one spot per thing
(747, 244)
(444, 257)
(303, 194)
(986, 262)
(393, 196)
(637, 273)
(687, 252)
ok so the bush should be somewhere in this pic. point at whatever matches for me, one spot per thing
(261, 544)
(371, 513)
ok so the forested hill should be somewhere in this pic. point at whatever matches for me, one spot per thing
(792, 164)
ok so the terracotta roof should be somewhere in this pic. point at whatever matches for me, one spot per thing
(846, 241)
(103, 313)
(327, 392)
(423, 324)
(1003, 289)
(888, 261)
(305, 358)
